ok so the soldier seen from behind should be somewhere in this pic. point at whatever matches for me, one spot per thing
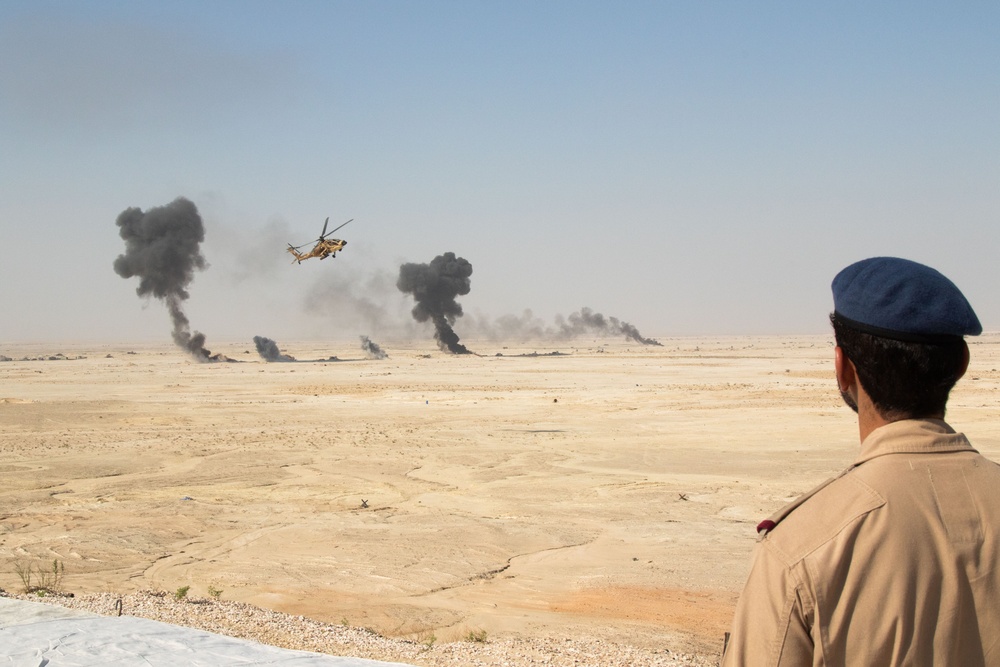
(896, 561)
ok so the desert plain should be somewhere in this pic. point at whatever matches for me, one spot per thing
(611, 490)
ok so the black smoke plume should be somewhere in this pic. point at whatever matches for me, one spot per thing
(269, 351)
(527, 327)
(372, 349)
(162, 249)
(434, 287)
(586, 320)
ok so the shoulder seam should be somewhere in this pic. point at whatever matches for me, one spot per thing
(867, 501)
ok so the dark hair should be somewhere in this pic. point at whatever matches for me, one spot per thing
(904, 380)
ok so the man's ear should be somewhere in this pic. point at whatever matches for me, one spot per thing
(846, 375)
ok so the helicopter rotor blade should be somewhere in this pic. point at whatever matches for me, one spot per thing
(323, 233)
(336, 228)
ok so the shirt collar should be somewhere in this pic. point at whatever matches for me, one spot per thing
(912, 436)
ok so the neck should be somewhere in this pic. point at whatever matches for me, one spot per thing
(869, 418)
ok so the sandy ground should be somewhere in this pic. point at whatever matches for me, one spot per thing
(610, 492)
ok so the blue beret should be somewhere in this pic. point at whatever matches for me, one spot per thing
(899, 299)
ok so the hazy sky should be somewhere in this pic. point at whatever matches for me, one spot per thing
(688, 167)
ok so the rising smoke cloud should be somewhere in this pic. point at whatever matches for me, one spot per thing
(162, 248)
(269, 351)
(364, 299)
(372, 349)
(434, 287)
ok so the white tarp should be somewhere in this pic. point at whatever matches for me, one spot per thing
(39, 635)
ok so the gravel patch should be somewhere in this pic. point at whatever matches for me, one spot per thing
(243, 621)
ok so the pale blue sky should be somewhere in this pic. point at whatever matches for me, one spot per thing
(689, 167)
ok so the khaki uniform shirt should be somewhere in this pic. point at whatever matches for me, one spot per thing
(894, 562)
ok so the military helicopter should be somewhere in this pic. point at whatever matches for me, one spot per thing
(324, 247)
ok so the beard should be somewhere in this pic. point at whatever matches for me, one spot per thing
(851, 403)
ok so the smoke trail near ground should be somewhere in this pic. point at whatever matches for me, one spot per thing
(268, 349)
(633, 334)
(434, 287)
(527, 327)
(587, 321)
(162, 249)
(372, 349)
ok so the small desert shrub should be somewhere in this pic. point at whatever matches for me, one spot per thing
(476, 636)
(24, 571)
(181, 593)
(36, 579)
(214, 592)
